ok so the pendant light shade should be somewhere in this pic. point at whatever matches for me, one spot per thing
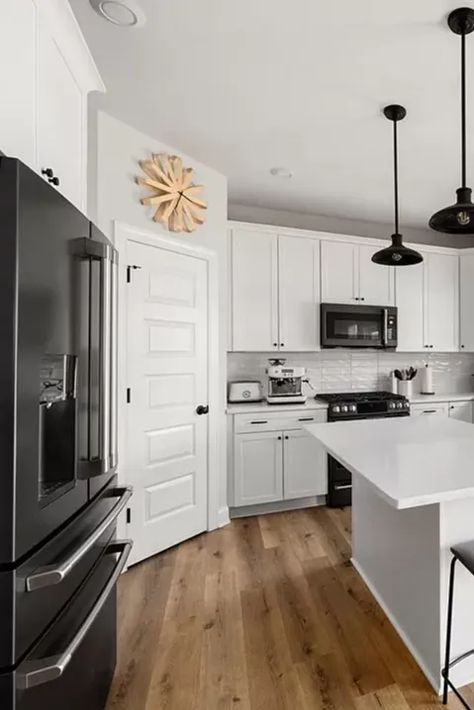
(397, 254)
(459, 218)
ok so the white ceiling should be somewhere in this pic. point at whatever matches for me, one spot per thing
(244, 86)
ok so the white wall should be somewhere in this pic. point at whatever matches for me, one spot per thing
(118, 148)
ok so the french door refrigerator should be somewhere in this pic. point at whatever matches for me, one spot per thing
(59, 499)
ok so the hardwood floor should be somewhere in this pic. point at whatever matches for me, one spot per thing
(265, 614)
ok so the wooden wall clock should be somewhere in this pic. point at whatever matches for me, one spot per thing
(174, 193)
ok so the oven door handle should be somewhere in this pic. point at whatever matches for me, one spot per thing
(54, 574)
(385, 327)
(44, 670)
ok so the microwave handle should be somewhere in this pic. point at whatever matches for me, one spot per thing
(385, 327)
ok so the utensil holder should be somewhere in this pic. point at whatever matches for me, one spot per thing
(405, 387)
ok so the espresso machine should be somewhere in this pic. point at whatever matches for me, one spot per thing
(285, 383)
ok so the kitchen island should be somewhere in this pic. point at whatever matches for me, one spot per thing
(412, 499)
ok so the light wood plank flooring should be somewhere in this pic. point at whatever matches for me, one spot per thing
(265, 614)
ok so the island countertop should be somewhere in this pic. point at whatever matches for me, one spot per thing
(410, 462)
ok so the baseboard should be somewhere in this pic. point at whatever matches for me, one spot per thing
(435, 683)
(280, 506)
(223, 516)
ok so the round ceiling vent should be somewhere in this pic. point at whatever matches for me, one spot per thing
(124, 13)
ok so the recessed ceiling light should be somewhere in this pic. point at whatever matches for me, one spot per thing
(124, 13)
(282, 172)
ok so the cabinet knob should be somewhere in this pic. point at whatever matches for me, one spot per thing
(54, 181)
(202, 409)
(282, 345)
(287, 437)
(356, 298)
(47, 172)
(279, 438)
(275, 345)
(362, 299)
(462, 346)
(431, 346)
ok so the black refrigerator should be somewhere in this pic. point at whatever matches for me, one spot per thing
(59, 498)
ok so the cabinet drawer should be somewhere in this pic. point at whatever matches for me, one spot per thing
(276, 421)
(419, 410)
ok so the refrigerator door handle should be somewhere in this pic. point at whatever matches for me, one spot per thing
(54, 574)
(105, 362)
(114, 367)
(33, 673)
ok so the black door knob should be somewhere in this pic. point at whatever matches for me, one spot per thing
(47, 172)
(202, 409)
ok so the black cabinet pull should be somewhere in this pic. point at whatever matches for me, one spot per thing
(282, 345)
(275, 345)
(260, 421)
(287, 437)
(430, 411)
(279, 438)
(462, 346)
(47, 172)
(54, 181)
(362, 298)
(202, 409)
(306, 419)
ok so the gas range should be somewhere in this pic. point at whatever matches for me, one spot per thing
(364, 405)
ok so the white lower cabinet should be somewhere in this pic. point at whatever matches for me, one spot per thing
(461, 411)
(304, 466)
(282, 464)
(258, 468)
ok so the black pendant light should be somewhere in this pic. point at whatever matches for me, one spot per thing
(397, 254)
(459, 218)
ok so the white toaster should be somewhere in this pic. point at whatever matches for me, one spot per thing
(248, 391)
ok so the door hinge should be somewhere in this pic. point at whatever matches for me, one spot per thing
(129, 271)
(129, 395)
(129, 516)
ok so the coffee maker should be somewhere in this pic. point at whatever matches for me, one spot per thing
(285, 383)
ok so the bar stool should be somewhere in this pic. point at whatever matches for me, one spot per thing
(465, 554)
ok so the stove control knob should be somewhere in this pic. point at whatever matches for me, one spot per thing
(392, 405)
(399, 405)
(336, 408)
(353, 408)
(344, 408)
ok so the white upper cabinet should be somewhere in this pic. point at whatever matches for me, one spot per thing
(348, 275)
(466, 290)
(410, 303)
(254, 290)
(442, 301)
(376, 282)
(275, 292)
(61, 114)
(339, 272)
(299, 293)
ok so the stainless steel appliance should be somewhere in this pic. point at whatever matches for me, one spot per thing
(350, 326)
(356, 405)
(59, 500)
(285, 383)
(245, 391)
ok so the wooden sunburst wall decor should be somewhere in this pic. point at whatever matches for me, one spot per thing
(174, 194)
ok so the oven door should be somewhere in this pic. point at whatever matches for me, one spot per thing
(353, 326)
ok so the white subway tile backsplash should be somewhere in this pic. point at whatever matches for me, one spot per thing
(345, 370)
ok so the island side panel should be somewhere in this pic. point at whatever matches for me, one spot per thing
(456, 526)
(397, 554)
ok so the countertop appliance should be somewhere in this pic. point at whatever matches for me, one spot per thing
(59, 500)
(245, 391)
(356, 405)
(285, 383)
(350, 326)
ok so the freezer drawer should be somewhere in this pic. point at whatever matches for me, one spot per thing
(73, 664)
(33, 595)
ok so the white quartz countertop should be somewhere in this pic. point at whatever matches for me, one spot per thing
(409, 461)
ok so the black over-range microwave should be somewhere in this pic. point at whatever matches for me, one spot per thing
(350, 326)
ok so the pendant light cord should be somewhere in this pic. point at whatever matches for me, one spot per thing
(463, 108)
(395, 173)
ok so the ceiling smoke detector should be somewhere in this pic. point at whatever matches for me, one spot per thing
(124, 13)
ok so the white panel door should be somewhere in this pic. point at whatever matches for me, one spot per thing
(466, 290)
(299, 293)
(442, 299)
(409, 300)
(461, 411)
(254, 291)
(304, 466)
(376, 282)
(339, 272)
(60, 119)
(18, 80)
(258, 468)
(167, 365)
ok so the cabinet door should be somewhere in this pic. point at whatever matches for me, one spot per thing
(461, 411)
(466, 290)
(442, 299)
(254, 291)
(304, 466)
(429, 410)
(299, 293)
(17, 80)
(409, 299)
(375, 281)
(339, 272)
(61, 126)
(258, 468)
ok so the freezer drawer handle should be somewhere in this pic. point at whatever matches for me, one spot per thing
(48, 576)
(343, 487)
(44, 670)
